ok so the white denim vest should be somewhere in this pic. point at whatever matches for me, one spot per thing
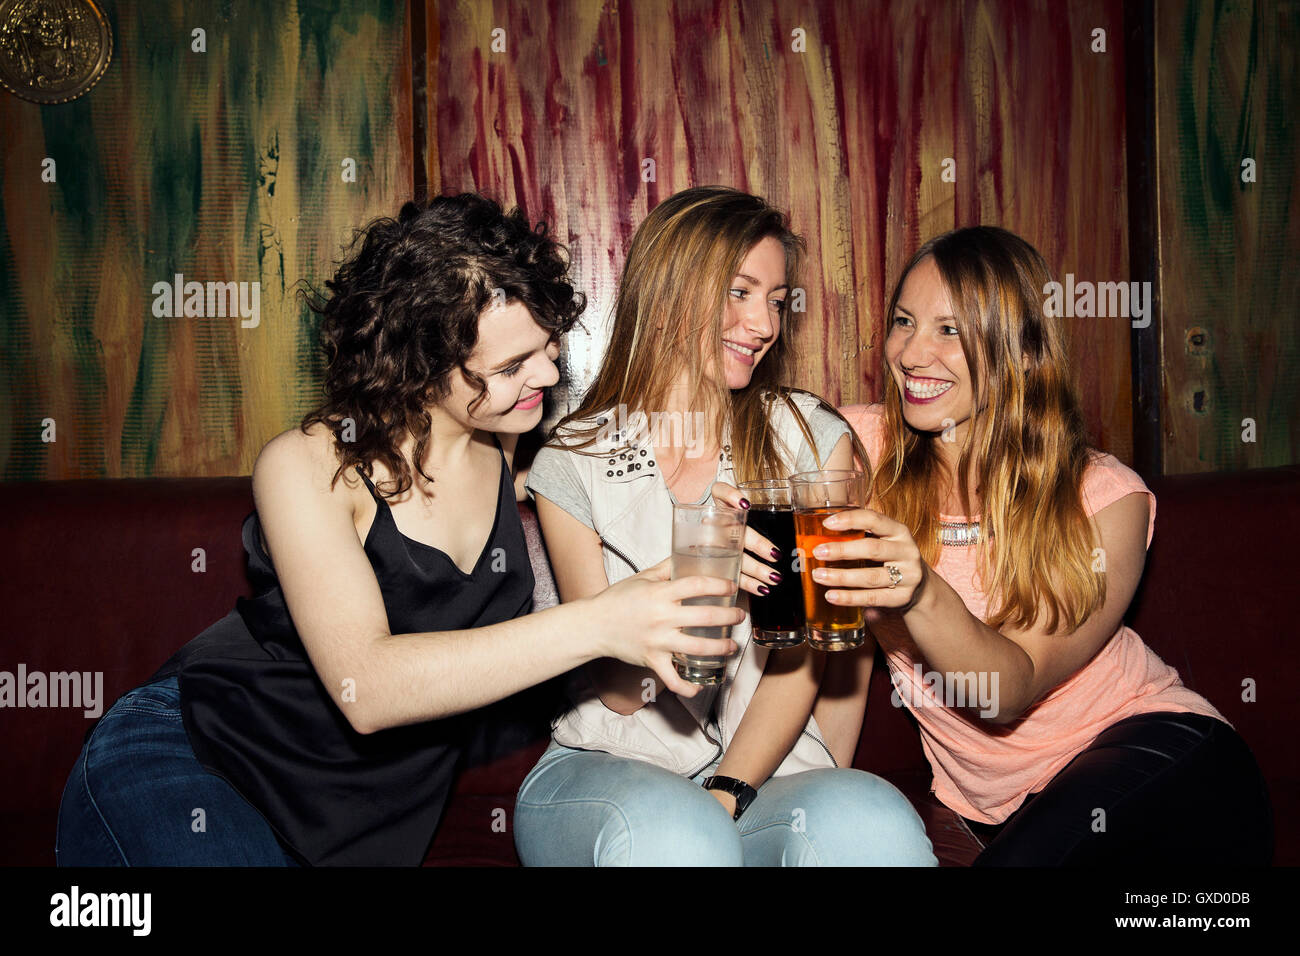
(632, 510)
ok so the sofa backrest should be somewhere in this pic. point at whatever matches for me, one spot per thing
(112, 577)
(109, 577)
(1216, 601)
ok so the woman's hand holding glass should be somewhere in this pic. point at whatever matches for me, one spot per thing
(756, 576)
(899, 580)
(640, 619)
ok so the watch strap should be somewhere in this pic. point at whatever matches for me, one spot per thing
(742, 791)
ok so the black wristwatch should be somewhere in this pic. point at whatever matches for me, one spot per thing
(742, 791)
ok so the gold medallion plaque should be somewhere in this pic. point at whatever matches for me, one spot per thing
(52, 51)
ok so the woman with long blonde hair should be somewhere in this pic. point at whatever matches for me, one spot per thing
(1005, 553)
(644, 767)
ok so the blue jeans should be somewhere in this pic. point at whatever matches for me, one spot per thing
(585, 807)
(139, 797)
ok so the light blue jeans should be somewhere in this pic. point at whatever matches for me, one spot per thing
(586, 807)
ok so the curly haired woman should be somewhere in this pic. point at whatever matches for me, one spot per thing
(317, 723)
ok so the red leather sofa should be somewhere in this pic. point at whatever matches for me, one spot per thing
(100, 576)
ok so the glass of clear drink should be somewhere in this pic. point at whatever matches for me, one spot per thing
(817, 495)
(708, 539)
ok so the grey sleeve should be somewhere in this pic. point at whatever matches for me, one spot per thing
(826, 429)
(554, 476)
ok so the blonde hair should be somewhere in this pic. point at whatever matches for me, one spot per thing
(672, 296)
(1026, 446)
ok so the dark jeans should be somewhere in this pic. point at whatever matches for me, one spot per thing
(139, 797)
(1168, 788)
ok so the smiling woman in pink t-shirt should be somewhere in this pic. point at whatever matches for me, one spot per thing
(1008, 552)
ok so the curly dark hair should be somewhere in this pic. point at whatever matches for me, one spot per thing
(402, 316)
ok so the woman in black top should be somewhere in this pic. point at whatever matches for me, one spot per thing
(317, 723)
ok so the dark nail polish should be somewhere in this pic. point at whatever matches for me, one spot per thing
(775, 554)
(763, 590)
(744, 503)
(776, 577)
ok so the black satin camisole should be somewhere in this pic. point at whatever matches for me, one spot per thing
(258, 716)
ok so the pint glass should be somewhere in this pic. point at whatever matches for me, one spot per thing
(707, 539)
(816, 495)
(778, 618)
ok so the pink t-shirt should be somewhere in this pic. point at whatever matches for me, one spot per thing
(983, 770)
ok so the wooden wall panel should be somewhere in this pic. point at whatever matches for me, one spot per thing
(222, 165)
(849, 136)
(1226, 91)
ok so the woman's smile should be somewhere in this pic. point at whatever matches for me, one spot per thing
(530, 402)
(740, 353)
(922, 391)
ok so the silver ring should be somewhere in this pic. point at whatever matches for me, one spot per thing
(895, 575)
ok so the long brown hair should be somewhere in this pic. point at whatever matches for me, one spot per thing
(672, 296)
(1027, 445)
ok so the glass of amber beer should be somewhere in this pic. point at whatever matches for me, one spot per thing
(816, 495)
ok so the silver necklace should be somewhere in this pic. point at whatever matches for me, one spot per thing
(959, 534)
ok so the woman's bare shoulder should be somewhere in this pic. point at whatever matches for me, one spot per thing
(303, 460)
(870, 424)
(864, 416)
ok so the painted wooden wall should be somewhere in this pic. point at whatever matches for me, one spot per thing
(849, 134)
(224, 165)
(1228, 79)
